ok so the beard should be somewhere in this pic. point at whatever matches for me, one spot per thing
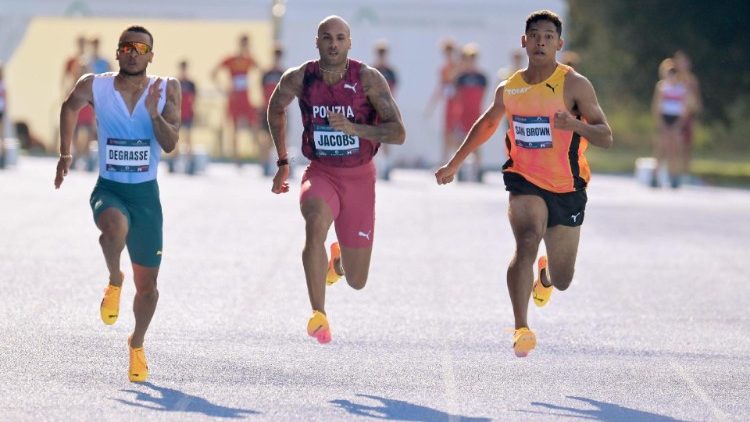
(135, 73)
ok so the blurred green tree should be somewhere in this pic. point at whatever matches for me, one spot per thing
(621, 44)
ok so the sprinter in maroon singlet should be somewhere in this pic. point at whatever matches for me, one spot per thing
(347, 111)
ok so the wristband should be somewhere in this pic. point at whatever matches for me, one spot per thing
(66, 155)
(282, 162)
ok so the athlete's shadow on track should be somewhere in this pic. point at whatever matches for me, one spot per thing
(169, 400)
(602, 411)
(398, 410)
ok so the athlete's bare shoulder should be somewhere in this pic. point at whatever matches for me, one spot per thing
(372, 78)
(501, 86)
(576, 82)
(498, 104)
(292, 80)
(83, 90)
(368, 74)
(86, 80)
(367, 71)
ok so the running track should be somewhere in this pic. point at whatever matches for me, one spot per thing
(655, 327)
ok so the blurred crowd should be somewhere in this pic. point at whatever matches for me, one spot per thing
(460, 91)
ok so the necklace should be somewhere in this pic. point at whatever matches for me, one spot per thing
(337, 72)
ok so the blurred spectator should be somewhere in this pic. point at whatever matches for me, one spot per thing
(28, 140)
(516, 64)
(384, 160)
(72, 69)
(570, 58)
(97, 63)
(239, 109)
(187, 115)
(446, 91)
(686, 76)
(76, 66)
(270, 79)
(383, 66)
(471, 84)
(670, 109)
(517, 61)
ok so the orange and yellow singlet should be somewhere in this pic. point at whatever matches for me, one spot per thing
(552, 159)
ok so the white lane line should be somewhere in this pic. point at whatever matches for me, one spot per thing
(450, 386)
(698, 391)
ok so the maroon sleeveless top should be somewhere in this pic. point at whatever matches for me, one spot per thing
(322, 143)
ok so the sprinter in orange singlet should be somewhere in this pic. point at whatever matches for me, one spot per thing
(553, 114)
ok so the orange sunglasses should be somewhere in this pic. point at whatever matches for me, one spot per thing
(139, 47)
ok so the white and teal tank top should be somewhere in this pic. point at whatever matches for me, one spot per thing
(128, 149)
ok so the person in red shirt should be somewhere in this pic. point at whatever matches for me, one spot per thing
(446, 90)
(239, 108)
(270, 79)
(471, 84)
(76, 66)
(347, 112)
(71, 70)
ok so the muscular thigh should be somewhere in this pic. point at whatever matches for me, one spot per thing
(108, 209)
(355, 224)
(527, 215)
(145, 238)
(317, 187)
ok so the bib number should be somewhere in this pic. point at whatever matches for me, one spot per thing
(532, 132)
(128, 155)
(331, 143)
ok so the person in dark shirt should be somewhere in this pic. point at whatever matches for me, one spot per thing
(269, 80)
(384, 162)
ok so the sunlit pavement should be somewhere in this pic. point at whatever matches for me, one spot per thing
(655, 326)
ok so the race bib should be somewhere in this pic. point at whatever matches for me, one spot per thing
(128, 155)
(331, 143)
(532, 132)
(239, 82)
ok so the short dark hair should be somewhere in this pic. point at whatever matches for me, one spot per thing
(545, 15)
(142, 30)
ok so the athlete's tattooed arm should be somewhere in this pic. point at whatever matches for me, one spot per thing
(390, 129)
(167, 124)
(289, 87)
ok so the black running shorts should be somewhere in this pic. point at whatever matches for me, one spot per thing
(567, 209)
